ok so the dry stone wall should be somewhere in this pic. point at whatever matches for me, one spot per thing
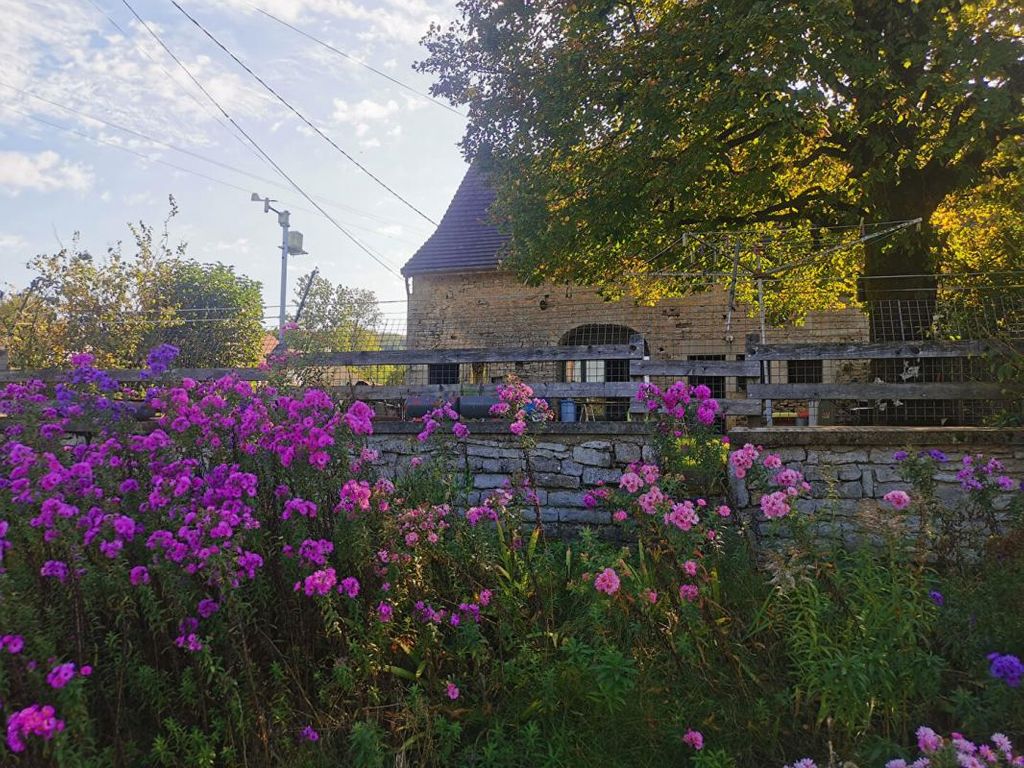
(848, 467)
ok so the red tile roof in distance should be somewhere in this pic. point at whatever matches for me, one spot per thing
(465, 240)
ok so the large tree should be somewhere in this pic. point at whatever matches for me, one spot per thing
(611, 127)
(335, 318)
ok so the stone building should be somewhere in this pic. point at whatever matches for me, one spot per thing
(460, 297)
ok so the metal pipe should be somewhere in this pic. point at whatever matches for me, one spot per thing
(282, 219)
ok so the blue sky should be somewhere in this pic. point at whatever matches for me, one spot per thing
(54, 182)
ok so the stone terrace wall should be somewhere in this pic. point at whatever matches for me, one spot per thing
(568, 459)
(849, 467)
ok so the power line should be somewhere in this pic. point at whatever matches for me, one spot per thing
(153, 159)
(301, 116)
(260, 149)
(196, 155)
(362, 64)
(170, 77)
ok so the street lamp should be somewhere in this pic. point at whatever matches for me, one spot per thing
(291, 243)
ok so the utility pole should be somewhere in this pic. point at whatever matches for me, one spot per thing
(291, 243)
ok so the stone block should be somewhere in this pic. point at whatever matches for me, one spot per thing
(627, 453)
(867, 482)
(556, 480)
(545, 465)
(594, 475)
(489, 481)
(552, 448)
(887, 475)
(882, 455)
(594, 457)
(852, 490)
(571, 468)
(883, 488)
(547, 515)
(849, 472)
(738, 492)
(565, 498)
(791, 454)
(588, 516)
(649, 454)
(842, 457)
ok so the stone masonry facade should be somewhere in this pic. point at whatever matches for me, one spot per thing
(492, 309)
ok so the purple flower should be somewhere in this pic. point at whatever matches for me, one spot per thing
(937, 597)
(61, 675)
(1007, 668)
(453, 691)
(899, 456)
(139, 575)
(54, 569)
(309, 733)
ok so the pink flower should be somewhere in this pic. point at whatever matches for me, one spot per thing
(652, 596)
(688, 592)
(928, 740)
(694, 739)
(460, 430)
(607, 581)
(775, 505)
(619, 515)
(898, 499)
(690, 566)
(631, 482)
(453, 691)
(385, 611)
(517, 428)
(772, 461)
(724, 511)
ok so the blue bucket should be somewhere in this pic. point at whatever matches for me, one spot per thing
(567, 410)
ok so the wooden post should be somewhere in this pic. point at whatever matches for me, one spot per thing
(3, 359)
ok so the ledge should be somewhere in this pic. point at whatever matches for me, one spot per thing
(884, 436)
(582, 428)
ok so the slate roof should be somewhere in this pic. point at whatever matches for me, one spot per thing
(465, 240)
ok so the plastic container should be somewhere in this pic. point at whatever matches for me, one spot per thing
(567, 410)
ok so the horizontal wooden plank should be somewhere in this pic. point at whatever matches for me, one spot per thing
(942, 391)
(486, 355)
(728, 407)
(745, 368)
(440, 393)
(865, 350)
(133, 375)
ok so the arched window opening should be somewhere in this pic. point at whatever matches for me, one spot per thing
(595, 371)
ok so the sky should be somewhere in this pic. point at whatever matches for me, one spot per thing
(71, 70)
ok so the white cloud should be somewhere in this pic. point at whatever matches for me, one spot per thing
(394, 20)
(364, 111)
(9, 242)
(42, 172)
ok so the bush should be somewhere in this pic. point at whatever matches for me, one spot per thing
(236, 583)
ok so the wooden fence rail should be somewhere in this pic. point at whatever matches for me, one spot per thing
(759, 356)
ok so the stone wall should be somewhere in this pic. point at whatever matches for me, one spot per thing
(848, 467)
(853, 467)
(492, 309)
(567, 460)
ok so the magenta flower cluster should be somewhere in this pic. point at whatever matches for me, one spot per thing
(516, 401)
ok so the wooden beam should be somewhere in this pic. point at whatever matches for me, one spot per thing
(866, 351)
(969, 390)
(491, 355)
(727, 407)
(177, 374)
(741, 368)
(440, 393)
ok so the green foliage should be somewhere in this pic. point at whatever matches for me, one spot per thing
(218, 315)
(612, 128)
(119, 305)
